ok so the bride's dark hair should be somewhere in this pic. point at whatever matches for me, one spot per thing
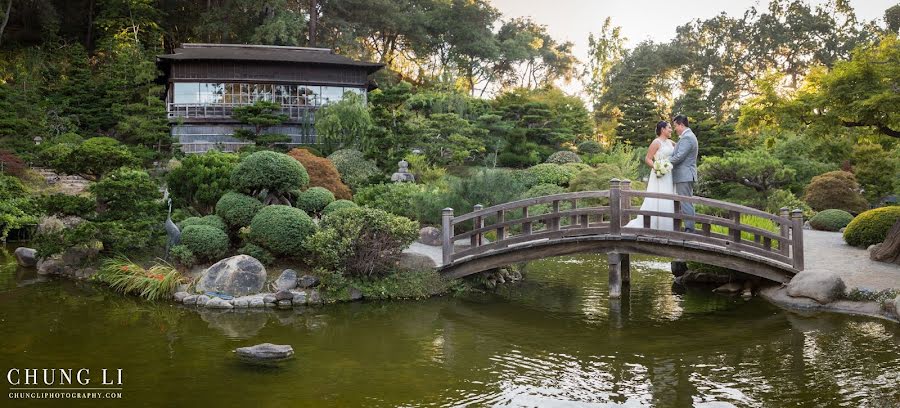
(660, 126)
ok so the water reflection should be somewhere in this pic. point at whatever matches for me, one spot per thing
(555, 340)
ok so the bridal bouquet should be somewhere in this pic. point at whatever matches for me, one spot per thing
(662, 167)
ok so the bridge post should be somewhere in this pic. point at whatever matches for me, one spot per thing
(447, 232)
(479, 223)
(784, 245)
(797, 238)
(617, 269)
(615, 214)
(625, 200)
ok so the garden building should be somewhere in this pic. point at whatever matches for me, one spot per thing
(205, 82)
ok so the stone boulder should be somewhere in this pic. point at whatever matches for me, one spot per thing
(308, 281)
(821, 287)
(265, 352)
(286, 281)
(416, 262)
(897, 306)
(355, 294)
(26, 256)
(239, 275)
(430, 236)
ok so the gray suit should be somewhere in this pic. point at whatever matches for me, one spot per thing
(684, 172)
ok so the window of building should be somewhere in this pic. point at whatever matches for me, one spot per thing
(186, 92)
(331, 94)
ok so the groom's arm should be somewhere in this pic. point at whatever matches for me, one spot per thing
(681, 151)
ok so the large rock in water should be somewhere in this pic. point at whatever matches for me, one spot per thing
(26, 256)
(821, 287)
(239, 275)
(265, 352)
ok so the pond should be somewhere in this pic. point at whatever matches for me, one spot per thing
(554, 339)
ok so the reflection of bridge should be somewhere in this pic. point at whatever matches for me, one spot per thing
(594, 221)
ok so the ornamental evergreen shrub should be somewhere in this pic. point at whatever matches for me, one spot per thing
(353, 167)
(64, 204)
(871, 227)
(563, 157)
(391, 197)
(272, 172)
(361, 242)
(237, 209)
(204, 241)
(337, 205)
(258, 252)
(549, 173)
(201, 179)
(182, 255)
(835, 189)
(281, 229)
(830, 220)
(541, 190)
(322, 173)
(314, 200)
(214, 221)
(127, 194)
(590, 147)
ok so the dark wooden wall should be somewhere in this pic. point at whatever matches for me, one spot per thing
(270, 72)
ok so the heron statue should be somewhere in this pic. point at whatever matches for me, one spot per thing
(172, 230)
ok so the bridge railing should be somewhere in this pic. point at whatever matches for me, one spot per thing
(608, 212)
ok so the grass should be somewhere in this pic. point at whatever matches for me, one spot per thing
(753, 221)
(122, 275)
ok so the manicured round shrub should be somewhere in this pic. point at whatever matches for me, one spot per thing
(257, 252)
(590, 147)
(549, 173)
(273, 172)
(314, 200)
(871, 227)
(830, 220)
(353, 167)
(237, 209)
(563, 157)
(835, 189)
(361, 241)
(205, 242)
(281, 229)
(214, 221)
(337, 205)
(322, 173)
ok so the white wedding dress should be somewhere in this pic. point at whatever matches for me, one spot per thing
(656, 184)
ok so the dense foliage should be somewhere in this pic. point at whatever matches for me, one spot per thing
(362, 242)
(871, 227)
(322, 173)
(835, 189)
(200, 180)
(314, 200)
(830, 220)
(237, 209)
(206, 242)
(271, 174)
(281, 230)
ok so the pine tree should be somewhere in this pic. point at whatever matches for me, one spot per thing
(639, 112)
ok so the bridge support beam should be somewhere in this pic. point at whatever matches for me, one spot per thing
(619, 272)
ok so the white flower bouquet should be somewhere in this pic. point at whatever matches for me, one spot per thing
(662, 167)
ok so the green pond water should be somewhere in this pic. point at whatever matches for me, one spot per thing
(553, 340)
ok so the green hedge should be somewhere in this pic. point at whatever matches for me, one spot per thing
(831, 220)
(205, 242)
(550, 173)
(281, 229)
(237, 209)
(871, 227)
(314, 200)
(258, 252)
(337, 205)
(363, 242)
(563, 157)
(214, 221)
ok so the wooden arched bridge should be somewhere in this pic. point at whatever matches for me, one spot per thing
(595, 221)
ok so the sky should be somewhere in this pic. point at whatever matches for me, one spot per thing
(573, 20)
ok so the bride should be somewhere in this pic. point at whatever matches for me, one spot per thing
(660, 148)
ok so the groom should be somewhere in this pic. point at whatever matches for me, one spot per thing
(684, 162)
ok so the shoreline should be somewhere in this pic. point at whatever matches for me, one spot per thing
(777, 295)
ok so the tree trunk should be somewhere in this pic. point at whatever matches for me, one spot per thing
(313, 21)
(89, 37)
(889, 250)
(5, 19)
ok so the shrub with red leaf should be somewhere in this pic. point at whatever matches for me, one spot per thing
(12, 164)
(322, 173)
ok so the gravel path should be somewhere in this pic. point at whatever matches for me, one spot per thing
(827, 252)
